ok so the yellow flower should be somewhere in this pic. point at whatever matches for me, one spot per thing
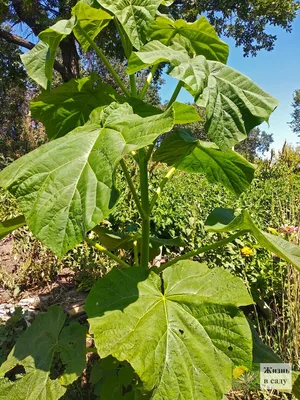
(272, 230)
(247, 251)
(239, 371)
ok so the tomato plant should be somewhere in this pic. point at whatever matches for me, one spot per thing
(179, 325)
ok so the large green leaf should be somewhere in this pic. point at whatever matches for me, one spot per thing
(70, 105)
(191, 155)
(224, 220)
(234, 105)
(35, 351)
(10, 225)
(40, 60)
(154, 53)
(199, 37)
(181, 332)
(134, 15)
(91, 20)
(66, 187)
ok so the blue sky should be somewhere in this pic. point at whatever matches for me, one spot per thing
(277, 72)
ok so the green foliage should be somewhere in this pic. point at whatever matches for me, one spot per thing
(180, 323)
(10, 225)
(89, 154)
(224, 220)
(191, 155)
(36, 351)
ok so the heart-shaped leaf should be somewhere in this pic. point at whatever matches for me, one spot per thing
(191, 155)
(74, 103)
(35, 351)
(234, 105)
(181, 332)
(198, 38)
(66, 187)
(91, 20)
(224, 220)
(40, 60)
(134, 16)
(6, 227)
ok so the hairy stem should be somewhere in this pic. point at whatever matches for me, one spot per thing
(108, 253)
(203, 249)
(143, 164)
(162, 184)
(132, 188)
(148, 81)
(105, 62)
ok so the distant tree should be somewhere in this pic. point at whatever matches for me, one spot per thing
(295, 123)
(245, 21)
(257, 143)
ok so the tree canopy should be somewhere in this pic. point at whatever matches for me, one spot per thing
(295, 123)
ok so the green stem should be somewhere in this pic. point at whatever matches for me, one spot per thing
(132, 188)
(105, 61)
(148, 81)
(175, 94)
(133, 86)
(108, 253)
(143, 164)
(162, 184)
(203, 249)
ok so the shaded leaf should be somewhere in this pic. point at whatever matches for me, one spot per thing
(182, 332)
(91, 20)
(74, 103)
(69, 105)
(198, 38)
(191, 155)
(40, 60)
(261, 352)
(10, 225)
(134, 16)
(66, 187)
(35, 351)
(224, 220)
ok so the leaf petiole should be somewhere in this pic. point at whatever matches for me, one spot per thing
(108, 253)
(148, 81)
(203, 249)
(105, 61)
(132, 188)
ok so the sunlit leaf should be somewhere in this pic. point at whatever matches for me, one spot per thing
(134, 15)
(66, 187)
(91, 20)
(224, 220)
(181, 332)
(39, 61)
(199, 37)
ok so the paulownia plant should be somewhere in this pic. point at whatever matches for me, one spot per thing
(179, 326)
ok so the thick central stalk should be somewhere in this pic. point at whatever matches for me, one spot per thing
(143, 164)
